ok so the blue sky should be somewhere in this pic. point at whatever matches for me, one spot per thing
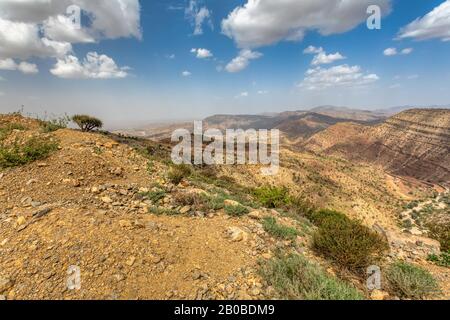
(139, 52)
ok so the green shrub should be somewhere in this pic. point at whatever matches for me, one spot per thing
(87, 123)
(154, 196)
(236, 211)
(34, 149)
(272, 197)
(177, 173)
(410, 282)
(347, 242)
(52, 125)
(295, 278)
(162, 211)
(272, 227)
(441, 233)
(442, 260)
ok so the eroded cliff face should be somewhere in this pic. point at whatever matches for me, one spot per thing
(413, 143)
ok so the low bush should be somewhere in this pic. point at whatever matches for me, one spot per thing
(410, 282)
(441, 233)
(295, 278)
(177, 173)
(272, 197)
(162, 211)
(236, 210)
(20, 154)
(154, 196)
(442, 260)
(52, 125)
(272, 227)
(348, 243)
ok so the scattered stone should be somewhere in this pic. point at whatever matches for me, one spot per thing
(21, 221)
(31, 181)
(125, 224)
(256, 215)
(130, 262)
(5, 284)
(231, 203)
(106, 199)
(379, 295)
(95, 190)
(185, 209)
(41, 213)
(236, 234)
(2, 298)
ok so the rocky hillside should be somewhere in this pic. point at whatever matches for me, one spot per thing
(138, 227)
(413, 143)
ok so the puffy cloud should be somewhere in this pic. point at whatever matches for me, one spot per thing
(265, 22)
(24, 67)
(322, 57)
(22, 40)
(60, 28)
(198, 16)
(186, 73)
(202, 53)
(434, 25)
(108, 18)
(312, 49)
(389, 52)
(94, 66)
(242, 60)
(338, 76)
(41, 28)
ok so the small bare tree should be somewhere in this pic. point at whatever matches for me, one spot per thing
(87, 123)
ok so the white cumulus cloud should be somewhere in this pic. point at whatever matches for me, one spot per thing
(186, 73)
(242, 60)
(264, 22)
(202, 53)
(24, 67)
(94, 66)
(389, 52)
(434, 25)
(322, 57)
(338, 76)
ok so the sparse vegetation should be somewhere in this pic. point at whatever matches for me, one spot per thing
(159, 211)
(272, 197)
(155, 196)
(348, 243)
(442, 260)
(87, 123)
(18, 154)
(178, 172)
(441, 233)
(295, 278)
(55, 124)
(7, 129)
(272, 227)
(410, 282)
(236, 210)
